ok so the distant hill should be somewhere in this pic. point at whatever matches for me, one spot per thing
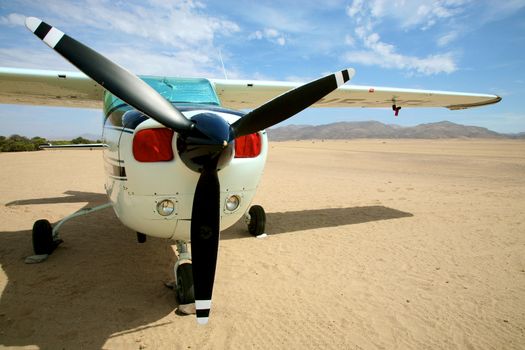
(374, 129)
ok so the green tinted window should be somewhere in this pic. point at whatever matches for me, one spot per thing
(179, 90)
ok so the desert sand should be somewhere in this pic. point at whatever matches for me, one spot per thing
(372, 244)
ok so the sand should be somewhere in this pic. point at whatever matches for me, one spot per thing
(372, 244)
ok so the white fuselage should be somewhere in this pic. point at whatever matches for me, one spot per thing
(135, 188)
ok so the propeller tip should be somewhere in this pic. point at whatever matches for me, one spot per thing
(351, 72)
(343, 76)
(202, 310)
(32, 23)
(202, 320)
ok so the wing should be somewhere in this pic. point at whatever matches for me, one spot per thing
(72, 89)
(49, 88)
(247, 94)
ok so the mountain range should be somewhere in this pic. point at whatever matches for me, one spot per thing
(368, 129)
(374, 129)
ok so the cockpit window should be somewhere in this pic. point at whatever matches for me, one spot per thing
(175, 90)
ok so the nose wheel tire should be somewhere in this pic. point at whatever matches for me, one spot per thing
(184, 290)
(257, 221)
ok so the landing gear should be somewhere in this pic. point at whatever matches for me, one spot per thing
(185, 293)
(46, 238)
(43, 241)
(184, 280)
(256, 220)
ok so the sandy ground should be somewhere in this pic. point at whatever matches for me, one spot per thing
(372, 245)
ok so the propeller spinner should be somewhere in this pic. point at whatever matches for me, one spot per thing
(205, 143)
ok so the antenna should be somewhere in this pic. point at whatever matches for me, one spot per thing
(222, 63)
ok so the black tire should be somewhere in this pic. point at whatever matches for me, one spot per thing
(141, 237)
(185, 293)
(43, 237)
(257, 220)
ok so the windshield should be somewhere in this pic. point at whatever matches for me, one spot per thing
(175, 90)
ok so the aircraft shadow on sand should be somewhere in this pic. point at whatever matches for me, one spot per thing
(293, 221)
(100, 282)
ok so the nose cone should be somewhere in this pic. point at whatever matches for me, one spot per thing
(209, 142)
(216, 129)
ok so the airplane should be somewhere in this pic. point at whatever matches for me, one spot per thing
(182, 160)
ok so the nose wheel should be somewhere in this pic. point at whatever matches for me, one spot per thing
(184, 288)
(256, 220)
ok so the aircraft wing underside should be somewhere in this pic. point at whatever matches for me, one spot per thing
(49, 88)
(246, 94)
(74, 89)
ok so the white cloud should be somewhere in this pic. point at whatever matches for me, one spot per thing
(386, 57)
(285, 17)
(13, 19)
(497, 10)
(177, 63)
(422, 14)
(374, 51)
(447, 38)
(354, 8)
(281, 41)
(154, 37)
(256, 35)
(42, 58)
(270, 34)
(349, 40)
(180, 24)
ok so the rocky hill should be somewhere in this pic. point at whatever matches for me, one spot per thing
(374, 129)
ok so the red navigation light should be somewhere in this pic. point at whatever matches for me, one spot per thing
(248, 146)
(153, 145)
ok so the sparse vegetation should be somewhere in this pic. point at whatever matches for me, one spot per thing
(17, 143)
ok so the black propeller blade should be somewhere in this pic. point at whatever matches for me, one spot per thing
(205, 221)
(117, 80)
(206, 150)
(290, 103)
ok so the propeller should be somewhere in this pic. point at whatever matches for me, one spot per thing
(205, 143)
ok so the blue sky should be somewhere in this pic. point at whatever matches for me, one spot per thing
(458, 45)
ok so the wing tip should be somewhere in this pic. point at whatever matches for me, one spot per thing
(492, 101)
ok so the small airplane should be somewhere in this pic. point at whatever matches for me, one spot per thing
(182, 161)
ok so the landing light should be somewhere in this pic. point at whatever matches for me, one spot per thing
(165, 207)
(232, 203)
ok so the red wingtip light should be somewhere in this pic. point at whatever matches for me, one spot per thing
(248, 146)
(153, 145)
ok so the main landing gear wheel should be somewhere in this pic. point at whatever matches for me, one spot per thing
(257, 221)
(43, 242)
(141, 237)
(184, 289)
